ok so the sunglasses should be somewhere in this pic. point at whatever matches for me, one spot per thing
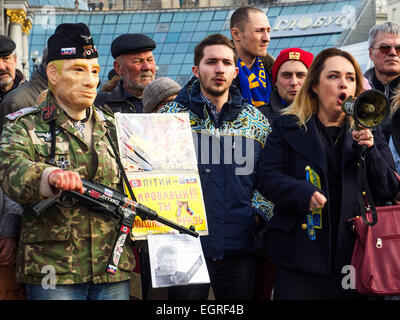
(385, 49)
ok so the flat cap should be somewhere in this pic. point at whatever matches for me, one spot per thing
(71, 41)
(131, 43)
(7, 46)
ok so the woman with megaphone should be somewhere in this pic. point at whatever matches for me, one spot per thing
(308, 169)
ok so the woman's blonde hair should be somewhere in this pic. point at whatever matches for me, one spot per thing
(306, 102)
(395, 104)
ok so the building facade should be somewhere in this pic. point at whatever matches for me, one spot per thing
(310, 25)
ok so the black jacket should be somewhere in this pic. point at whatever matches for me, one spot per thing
(273, 108)
(118, 102)
(23, 96)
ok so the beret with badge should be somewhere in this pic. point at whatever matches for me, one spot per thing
(291, 54)
(7, 46)
(71, 41)
(131, 43)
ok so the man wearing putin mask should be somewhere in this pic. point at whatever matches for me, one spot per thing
(63, 252)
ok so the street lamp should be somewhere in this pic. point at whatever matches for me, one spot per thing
(36, 59)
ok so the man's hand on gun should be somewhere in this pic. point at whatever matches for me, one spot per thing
(66, 180)
(103, 199)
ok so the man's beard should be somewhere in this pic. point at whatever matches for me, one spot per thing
(138, 85)
(4, 83)
(210, 90)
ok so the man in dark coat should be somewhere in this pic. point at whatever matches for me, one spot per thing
(384, 51)
(134, 62)
(288, 73)
(25, 95)
(10, 76)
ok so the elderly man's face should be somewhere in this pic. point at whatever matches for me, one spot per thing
(76, 86)
(8, 66)
(136, 69)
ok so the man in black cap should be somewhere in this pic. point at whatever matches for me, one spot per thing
(63, 253)
(134, 62)
(10, 76)
(25, 95)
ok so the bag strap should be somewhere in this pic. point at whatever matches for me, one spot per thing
(121, 167)
(365, 200)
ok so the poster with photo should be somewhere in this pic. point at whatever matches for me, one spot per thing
(159, 158)
(176, 260)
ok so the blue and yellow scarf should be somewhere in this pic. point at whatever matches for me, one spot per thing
(254, 83)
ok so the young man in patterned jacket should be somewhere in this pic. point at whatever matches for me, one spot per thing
(229, 135)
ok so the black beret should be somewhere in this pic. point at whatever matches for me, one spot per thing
(71, 41)
(7, 46)
(131, 43)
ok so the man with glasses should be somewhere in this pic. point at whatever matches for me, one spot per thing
(384, 52)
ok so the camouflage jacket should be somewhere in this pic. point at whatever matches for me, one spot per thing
(76, 241)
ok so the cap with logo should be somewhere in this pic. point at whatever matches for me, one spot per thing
(71, 41)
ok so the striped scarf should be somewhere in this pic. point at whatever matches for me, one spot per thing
(254, 83)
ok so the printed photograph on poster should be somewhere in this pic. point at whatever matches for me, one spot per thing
(155, 142)
(158, 154)
(176, 260)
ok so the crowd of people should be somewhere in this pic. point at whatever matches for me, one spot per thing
(283, 115)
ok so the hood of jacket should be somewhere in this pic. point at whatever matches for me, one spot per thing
(190, 97)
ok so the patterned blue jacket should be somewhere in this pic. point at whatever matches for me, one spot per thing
(227, 154)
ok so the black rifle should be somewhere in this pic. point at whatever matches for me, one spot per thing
(100, 198)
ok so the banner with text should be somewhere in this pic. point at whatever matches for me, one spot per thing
(158, 155)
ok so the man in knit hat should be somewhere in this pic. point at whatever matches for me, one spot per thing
(63, 252)
(158, 93)
(134, 62)
(288, 73)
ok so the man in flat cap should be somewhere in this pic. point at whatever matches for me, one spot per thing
(26, 94)
(134, 62)
(10, 211)
(64, 251)
(10, 76)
